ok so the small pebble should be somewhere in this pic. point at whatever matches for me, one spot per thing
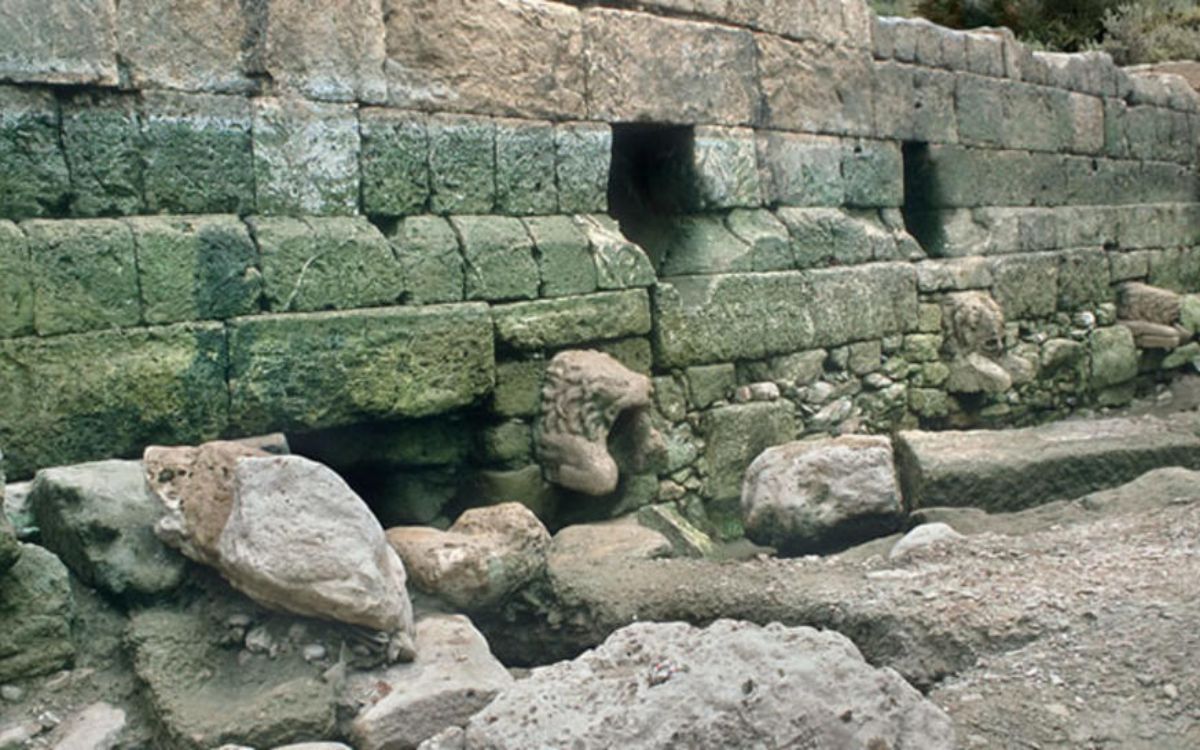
(314, 652)
(11, 693)
(1170, 691)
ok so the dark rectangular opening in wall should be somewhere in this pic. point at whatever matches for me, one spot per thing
(921, 219)
(651, 178)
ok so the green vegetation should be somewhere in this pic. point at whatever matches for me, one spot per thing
(1153, 31)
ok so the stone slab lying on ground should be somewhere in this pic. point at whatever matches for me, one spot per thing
(732, 684)
(36, 607)
(1013, 469)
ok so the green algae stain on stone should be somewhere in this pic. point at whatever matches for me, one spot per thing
(34, 180)
(101, 137)
(16, 282)
(427, 249)
(395, 162)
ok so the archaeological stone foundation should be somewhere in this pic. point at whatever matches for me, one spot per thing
(373, 226)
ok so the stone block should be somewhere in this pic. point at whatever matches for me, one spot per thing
(725, 168)
(395, 162)
(1002, 113)
(801, 170)
(462, 164)
(101, 139)
(1083, 280)
(325, 263)
(62, 41)
(967, 177)
(195, 268)
(1176, 268)
(1114, 357)
(86, 275)
(698, 244)
(582, 156)
(735, 435)
(985, 54)
(1026, 286)
(525, 181)
(872, 173)
(824, 237)
(753, 316)
(1087, 124)
(814, 87)
(430, 259)
(166, 44)
(314, 370)
(1124, 266)
(518, 387)
(708, 384)
(914, 104)
(16, 284)
(768, 238)
(305, 157)
(514, 57)
(632, 352)
(34, 180)
(499, 259)
(332, 51)
(570, 321)
(157, 385)
(620, 264)
(828, 21)
(646, 68)
(954, 274)
(37, 604)
(564, 256)
(197, 153)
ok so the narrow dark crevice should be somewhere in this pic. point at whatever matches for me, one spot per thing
(921, 218)
(651, 181)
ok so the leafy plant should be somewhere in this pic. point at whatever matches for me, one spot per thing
(1068, 25)
(1150, 31)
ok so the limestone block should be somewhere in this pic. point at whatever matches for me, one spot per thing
(333, 51)
(525, 181)
(645, 68)
(324, 263)
(305, 157)
(914, 104)
(735, 435)
(767, 236)
(195, 268)
(1026, 285)
(708, 384)
(197, 153)
(698, 245)
(567, 321)
(462, 164)
(87, 275)
(801, 170)
(582, 155)
(34, 180)
(395, 162)
(512, 57)
(816, 88)
(428, 252)
(16, 282)
(316, 370)
(823, 237)
(101, 139)
(36, 604)
(873, 173)
(498, 252)
(620, 264)
(187, 46)
(954, 274)
(977, 177)
(1114, 357)
(725, 169)
(985, 54)
(64, 41)
(1177, 269)
(998, 113)
(1083, 280)
(164, 384)
(518, 387)
(564, 256)
(1087, 124)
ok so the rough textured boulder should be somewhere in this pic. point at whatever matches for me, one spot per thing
(300, 540)
(35, 607)
(486, 555)
(1013, 469)
(584, 394)
(98, 517)
(453, 676)
(195, 485)
(96, 727)
(732, 684)
(812, 495)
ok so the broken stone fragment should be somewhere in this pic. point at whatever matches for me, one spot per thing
(975, 373)
(97, 727)
(1147, 335)
(924, 536)
(1137, 301)
(588, 394)
(486, 555)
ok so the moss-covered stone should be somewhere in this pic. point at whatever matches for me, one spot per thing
(101, 136)
(518, 387)
(395, 162)
(197, 151)
(306, 157)
(34, 180)
(824, 237)
(735, 435)
(1114, 357)
(506, 444)
(432, 263)
(1026, 286)
(114, 392)
(16, 282)
(1083, 280)
(312, 370)
(708, 384)
(499, 258)
(525, 181)
(326, 263)
(725, 169)
(35, 606)
(86, 275)
(620, 264)
(801, 170)
(634, 352)
(770, 244)
(195, 268)
(922, 347)
(873, 173)
(582, 155)
(462, 164)
(929, 403)
(567, 321)
(563, 254)
(699, 244)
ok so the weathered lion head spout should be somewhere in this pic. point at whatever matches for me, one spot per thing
(584, 394)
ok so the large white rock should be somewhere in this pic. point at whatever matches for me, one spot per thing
(730, 685)
(818, 494)
(453, 677)
(300, 540)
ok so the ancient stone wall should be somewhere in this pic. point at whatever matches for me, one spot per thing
(222, 218)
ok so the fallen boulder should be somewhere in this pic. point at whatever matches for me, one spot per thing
(486, 555)
(35, 607)
(96, 727)
(1012, 469)
(730, 685)
(98, 517)
(816, 495)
